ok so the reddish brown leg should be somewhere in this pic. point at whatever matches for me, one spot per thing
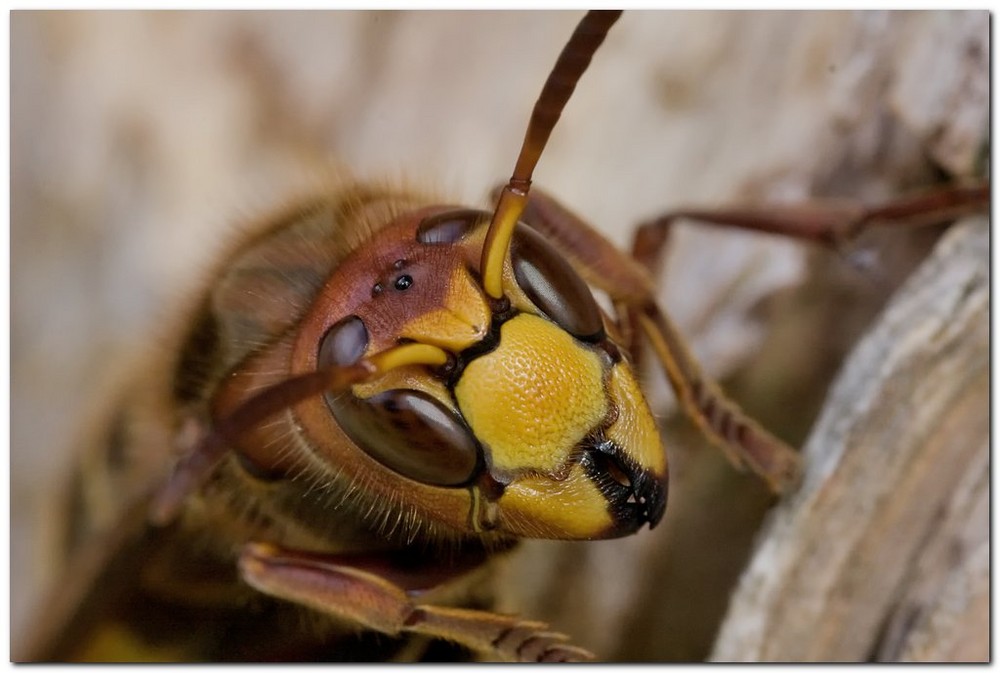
(744, 441)
(629, 285)
(827, 223)
(598, 262)
(831, 224)
(366, 597)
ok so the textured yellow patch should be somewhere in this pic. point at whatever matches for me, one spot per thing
(114, 643)
(534, 398)
(571, 509)
(462, 321)
(635, 430)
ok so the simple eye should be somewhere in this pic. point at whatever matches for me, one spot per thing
(449, 226)
(554, 286)
(344, 343)
(411, 433)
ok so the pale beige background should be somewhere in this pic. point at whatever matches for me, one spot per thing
(140, 139)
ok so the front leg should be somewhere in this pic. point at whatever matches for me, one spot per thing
(830, 223)
(366, 597)
(744, 442)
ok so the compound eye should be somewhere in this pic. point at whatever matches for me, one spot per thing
(554, 286)
(411, 433)
(449, 226)
(406, 430)
(344, 343)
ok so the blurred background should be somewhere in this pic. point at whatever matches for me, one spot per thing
(140, 141)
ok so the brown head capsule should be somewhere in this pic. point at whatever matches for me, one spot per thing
(529, 422)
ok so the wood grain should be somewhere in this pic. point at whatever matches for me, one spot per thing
(883, 552)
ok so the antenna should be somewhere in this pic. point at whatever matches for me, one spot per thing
(570, 66)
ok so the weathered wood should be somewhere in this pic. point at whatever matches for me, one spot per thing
(883, 553)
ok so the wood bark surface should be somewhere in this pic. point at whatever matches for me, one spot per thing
(883, 553)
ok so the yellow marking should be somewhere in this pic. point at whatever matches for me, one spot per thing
(413, 378)
(476, 509)
(408, 354)
(634, 430)
(498, 237)
(533, 399)
(571, 509)
(463, 320)
(114, 643)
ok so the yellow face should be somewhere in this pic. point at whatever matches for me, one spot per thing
(536, 426)
(562, 426)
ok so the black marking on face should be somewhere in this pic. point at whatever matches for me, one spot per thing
(634, 495)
